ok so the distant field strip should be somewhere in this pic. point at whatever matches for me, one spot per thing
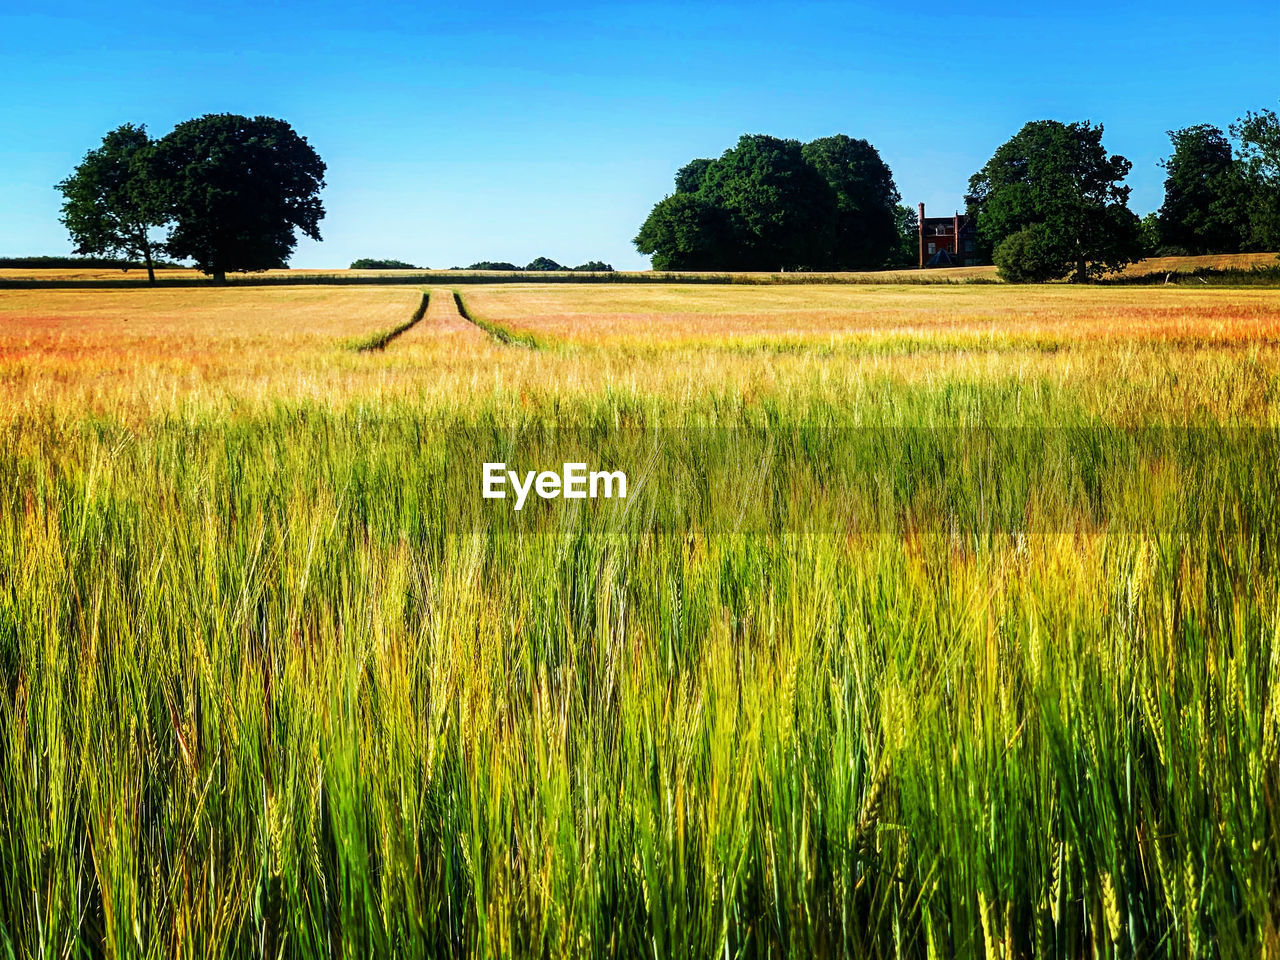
(380, 340)
(876, 320)
(86, 278)
(1241, 268)
(108, 350)
(130, 353)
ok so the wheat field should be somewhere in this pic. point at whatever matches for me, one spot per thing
(939, 622)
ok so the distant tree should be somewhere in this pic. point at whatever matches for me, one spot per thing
(1203, 193)
(543, 263)
(1259, 159)
(113, 199)
(866, 234)
(685, 231)
(1058, 178)
(367, 263)
(1149, 233)
(238, 188)
(494, 265)
(906, 250)
(594, 266)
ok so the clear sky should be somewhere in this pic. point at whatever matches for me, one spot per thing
(509, 131)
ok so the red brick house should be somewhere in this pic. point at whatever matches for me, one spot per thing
(948, 241)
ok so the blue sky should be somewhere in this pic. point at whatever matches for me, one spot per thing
(509, 131)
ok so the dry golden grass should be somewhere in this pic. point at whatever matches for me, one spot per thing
(266, 688)
(442, 324)
(99, 349)
(1125, 353)
(864, 316)
(1216, 261)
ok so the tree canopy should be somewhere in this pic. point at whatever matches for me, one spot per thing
(113, 200)
(686, 231)
(906, 247)
(1057, 181)
(540, 264)
(866, 200)
(237, 188)
(375, 263)
(543, 263)
(492, 265)
(1259, 159)
(770, 204)
(1203, 193)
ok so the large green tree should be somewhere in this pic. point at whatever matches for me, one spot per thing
(906, 248)
(685, 231)
(780, 210)
(113, 199)
(770, 204)
(238, 189)
(1259, 159)
(1057, 180)
(866, 233)
(689, 177)
(1149, 234)
(1203, 193)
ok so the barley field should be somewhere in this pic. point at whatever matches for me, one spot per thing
(937, 622)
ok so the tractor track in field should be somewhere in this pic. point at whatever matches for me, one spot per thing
(379, 341)
(499, 333)
(444, 312)
(442, 324)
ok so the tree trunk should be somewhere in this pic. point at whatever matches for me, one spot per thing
(142, 243)
(219, 276)
(1082, 273)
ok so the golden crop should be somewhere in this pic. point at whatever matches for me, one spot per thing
(962, 644)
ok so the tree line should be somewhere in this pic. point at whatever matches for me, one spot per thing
(231, 192)
(769, 203)
(379, 263)
(539, 265)
(1222, 193)
(1050, 203)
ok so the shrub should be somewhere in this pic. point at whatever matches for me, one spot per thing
(1031, 255)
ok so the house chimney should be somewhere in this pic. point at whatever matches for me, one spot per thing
(920, 231)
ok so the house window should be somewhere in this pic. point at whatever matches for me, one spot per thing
(931, 248)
